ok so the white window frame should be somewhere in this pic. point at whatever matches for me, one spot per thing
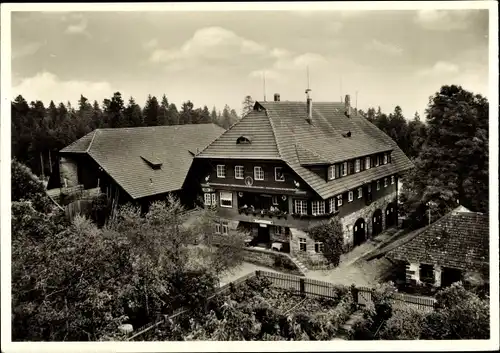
(218, 228)
(319, 247)
(386, 182)
(239, 169)
(208, 199)
(378, 184)
(302, 208)
(318, 207)
(331, 172)
(350, 196)
(339, 200)
(332, 205)
(221, 171)
(276, 175)
(225, 227)
(392, 179)
(386, 158)
(344, 171)
(256, 172)
(222, 198)
(377, 157)
(303, 241)
(360, 193)
(274, 200)
(367, 163)
(357, 166)
(214, 199)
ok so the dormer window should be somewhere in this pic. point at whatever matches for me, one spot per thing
(331, 172)
(367, 163)
(357, 165)
(344, 169)
(376, 160)
(153, 162)
(386, 158)
(244, 140)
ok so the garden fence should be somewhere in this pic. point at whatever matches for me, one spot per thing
(301, 285)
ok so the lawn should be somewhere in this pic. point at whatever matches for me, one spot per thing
(255, 310)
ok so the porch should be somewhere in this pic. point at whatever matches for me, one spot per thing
(267, 236)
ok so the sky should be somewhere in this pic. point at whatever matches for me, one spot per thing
(385, 58)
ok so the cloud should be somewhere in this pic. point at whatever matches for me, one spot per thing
(439, 69)
(153, 43)
(46, 86)
(386, 48)
(78, 27)
(26, 49)
(443, 20)
(210, 43)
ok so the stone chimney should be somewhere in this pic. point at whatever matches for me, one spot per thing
(276, 97)
(347, 104)
(309, 106)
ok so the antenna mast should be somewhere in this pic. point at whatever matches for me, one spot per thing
(341, 100)
(308, 77)
(264, 83)
(356, 100)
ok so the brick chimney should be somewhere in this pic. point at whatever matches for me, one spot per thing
(309, 106)
(347, 103)
(276, 97)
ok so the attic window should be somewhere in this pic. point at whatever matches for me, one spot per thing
(347, 134)
(244, 140)
(153, 162)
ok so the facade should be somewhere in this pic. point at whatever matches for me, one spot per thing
(454, 248)
(138, 165)
(287, 166)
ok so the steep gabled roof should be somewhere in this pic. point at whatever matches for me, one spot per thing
(146, 161)
(284, 133)
(459, 240)
(257, 128)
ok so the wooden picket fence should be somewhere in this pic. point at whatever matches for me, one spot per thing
(301, 285)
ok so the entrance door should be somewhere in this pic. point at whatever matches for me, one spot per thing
(391, 215)
(359, 232)
(263, 234)
(377, 222)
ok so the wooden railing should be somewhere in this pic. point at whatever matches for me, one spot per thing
(301, 285)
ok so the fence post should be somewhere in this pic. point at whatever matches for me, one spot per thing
(355, 295)
(302, 286)
(257, 273)
(231, 287)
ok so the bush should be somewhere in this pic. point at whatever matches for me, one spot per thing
(331, 235)
(404, 324)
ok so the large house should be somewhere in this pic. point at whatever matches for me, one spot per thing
(454, 248)
(289, 165)
(138, 165)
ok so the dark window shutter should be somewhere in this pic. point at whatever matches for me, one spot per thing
(337, 171)
(351, 167)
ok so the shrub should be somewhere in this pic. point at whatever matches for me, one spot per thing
(404, 324)
(331, 235)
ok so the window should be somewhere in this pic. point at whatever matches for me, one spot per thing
(360, 193)
(226, 199)
(319, 247)
(208, 199)
(378, 184)
(392, 179)
(367, 163)
(350, 196)
(214, 199)
(332, 205)
(386, 158)
(331, 172)
(238, 172)
(278, 174)
(225, 228)
(339, 200)
(217, 228)
(318, 207)
(386, 182)
(357, 166)
(278, 230)
(274, 200)
(376, 160)
(258, 173)
(302, 244)
(301, 206)
(221, 171)
(369, 187)
(427, 273)
(344, 169)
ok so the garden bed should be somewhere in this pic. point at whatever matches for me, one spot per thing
(255, 310)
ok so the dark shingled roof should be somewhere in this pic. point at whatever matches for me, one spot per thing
(123, 154)
(457, 240)
(283, 133)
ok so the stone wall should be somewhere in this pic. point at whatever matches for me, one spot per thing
(367, 214)
(310, 256)
(68, 171)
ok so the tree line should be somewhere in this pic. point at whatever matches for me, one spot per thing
(39, 132)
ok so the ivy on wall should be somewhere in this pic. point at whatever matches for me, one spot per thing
(331, 235)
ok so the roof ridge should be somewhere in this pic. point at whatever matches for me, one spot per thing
(271, 122)
(90, 144)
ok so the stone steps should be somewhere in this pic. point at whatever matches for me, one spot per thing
(300, 265)
(343, 334)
